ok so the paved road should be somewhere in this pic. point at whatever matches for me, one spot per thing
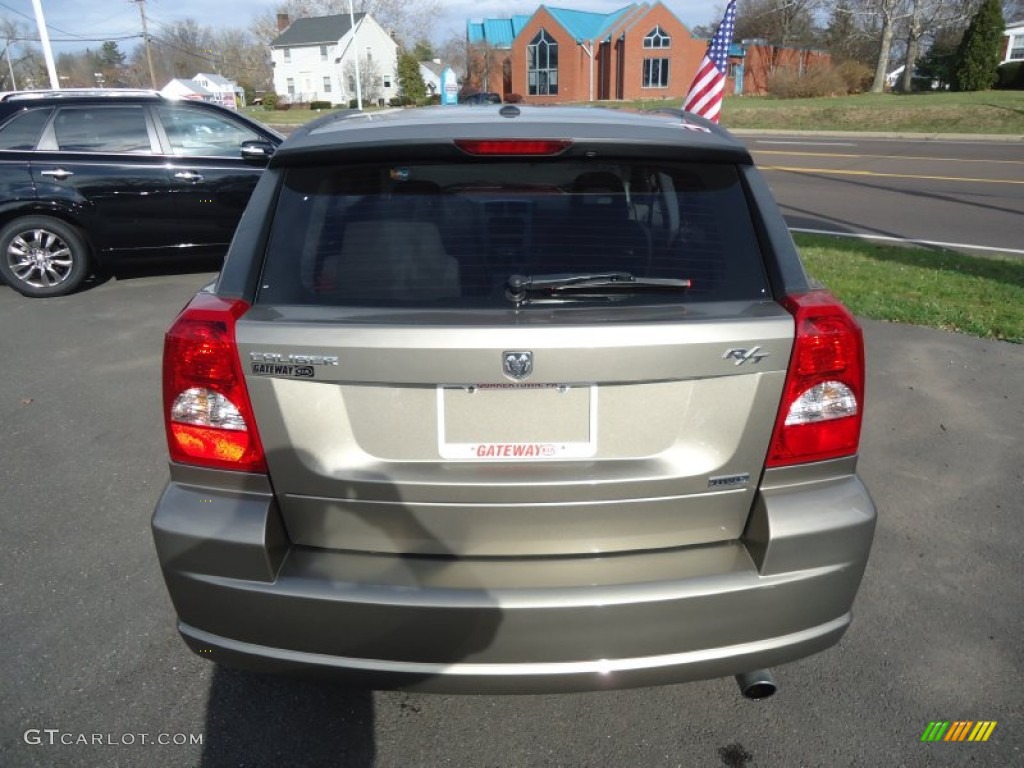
(969, 192)
(87, 628)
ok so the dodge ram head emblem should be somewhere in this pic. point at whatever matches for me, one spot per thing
(517, 365)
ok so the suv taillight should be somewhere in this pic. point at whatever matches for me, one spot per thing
(207, 412)
(823, 398)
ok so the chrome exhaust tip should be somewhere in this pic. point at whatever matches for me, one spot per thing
(756, 685)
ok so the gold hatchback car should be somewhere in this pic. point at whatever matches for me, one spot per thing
(513, 399)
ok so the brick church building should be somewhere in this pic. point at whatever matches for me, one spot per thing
(640, 51)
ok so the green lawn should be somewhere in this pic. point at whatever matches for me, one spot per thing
(997, 112)
(921, 286)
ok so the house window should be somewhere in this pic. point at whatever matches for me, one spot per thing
(290, 82)
(733, 68)
(369, 53)
(323, 53)
(655, 73)
(1017, 48)
(327, 85)
(542, 65)
(287, 55)
(657, 38)
(387, 81)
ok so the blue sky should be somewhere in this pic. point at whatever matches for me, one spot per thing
(72, 23)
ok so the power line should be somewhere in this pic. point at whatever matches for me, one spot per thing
(212, 60)
(75, 40)
(48, 25)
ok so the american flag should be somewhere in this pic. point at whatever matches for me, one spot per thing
(705, 96)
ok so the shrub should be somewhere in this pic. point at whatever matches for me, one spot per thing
(789, 84)
(394, 101)
(1011, 76)
(270, 101)
(513, 98)
(856, 77)
(319, 105)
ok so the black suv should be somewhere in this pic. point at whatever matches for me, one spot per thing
(88, 178)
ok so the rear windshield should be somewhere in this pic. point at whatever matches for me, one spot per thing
(451, 235)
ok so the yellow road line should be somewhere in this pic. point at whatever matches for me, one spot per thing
(836, 172)
(885, 157)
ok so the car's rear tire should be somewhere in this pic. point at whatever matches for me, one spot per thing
(41, 256)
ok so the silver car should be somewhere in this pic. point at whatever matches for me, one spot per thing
(513, 400)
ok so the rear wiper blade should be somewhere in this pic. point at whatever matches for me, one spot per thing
(520, 286)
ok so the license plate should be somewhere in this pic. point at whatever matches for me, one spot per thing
(516, 422)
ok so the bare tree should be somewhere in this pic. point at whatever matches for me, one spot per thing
(371, 83)
(244, 59)
(926, 17)
(780, 22)
(453, 53)
(850, 36)
(888, 14)
(25, 59)
(405, 21)
(179, 50)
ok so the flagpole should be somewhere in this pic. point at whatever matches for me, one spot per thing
(44, 38)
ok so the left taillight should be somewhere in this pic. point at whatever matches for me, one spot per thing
(822, 405)
(207, 412)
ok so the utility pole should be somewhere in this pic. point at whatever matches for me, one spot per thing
(145, 36)
(359, 89)
(7, 53)
(44, 38)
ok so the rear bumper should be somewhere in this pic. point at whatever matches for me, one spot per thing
(246, 597)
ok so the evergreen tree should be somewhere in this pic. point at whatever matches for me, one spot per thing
(423, 50)
(112, 55)
(977, 58)
(938, 63)
(411, 87)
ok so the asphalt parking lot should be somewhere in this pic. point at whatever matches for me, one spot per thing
(91, 648)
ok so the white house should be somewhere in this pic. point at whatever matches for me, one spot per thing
(225, 92)
(431, 73)
(314, 59)
(1014, 34)
(204, 87)
(180, 88)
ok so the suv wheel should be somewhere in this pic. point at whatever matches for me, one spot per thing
(40, 256)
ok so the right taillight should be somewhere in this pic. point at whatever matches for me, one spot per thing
(207, 412)
(823, 398)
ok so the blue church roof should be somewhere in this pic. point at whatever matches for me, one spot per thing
(582, 25)
(497, 32)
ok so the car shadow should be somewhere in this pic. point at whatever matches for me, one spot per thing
(254, 719)
(155, 268)
(313, 716)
